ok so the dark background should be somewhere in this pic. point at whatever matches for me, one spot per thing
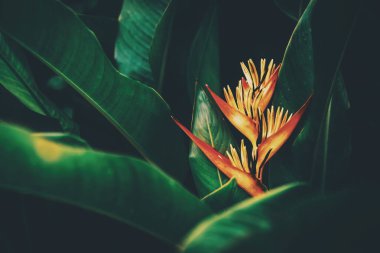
(248, 29)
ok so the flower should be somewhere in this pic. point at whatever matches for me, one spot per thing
(266, 129)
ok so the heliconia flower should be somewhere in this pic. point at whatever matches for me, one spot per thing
(266, 129)
(244, 179)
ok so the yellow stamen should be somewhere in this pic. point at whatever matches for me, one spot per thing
(241, 162)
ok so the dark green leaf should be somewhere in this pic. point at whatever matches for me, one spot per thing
(225, 196)
(204, 58)
(292, 8)
(311, 65)
(138, 21)
(123, 188)
(291, 219)
(159, 49)
(59, 39)
(247, 221)
(16, 77)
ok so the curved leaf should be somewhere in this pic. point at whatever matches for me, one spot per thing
(311, 65)
(291, 219)
(123, 188)
(138, 21)
(225, 196)
(246, 223)
(59, 39)
(16, 77)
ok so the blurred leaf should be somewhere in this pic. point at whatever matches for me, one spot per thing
(138, 21)
(311, 65)
(209, 126)
(225, 196)
(123, 188)
(63, 138)
(59, 39)
(16, 77)
(292, 8)
(291, 219)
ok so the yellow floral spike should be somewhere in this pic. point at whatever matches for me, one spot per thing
(272, 121)
(242, 161)
(274, 140)
(251, 95)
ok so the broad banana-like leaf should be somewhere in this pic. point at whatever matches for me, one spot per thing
(57, 36)
(311, 65)
(120, 187)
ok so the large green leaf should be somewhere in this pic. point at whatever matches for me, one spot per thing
(16, 77)
(59, 39)
(291, 219)
(124, 188)
(138, 21)
(311, 65)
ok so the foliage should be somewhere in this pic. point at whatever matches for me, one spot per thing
(123, 68)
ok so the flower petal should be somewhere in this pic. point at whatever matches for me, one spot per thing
(244, 180)
(243, 123)
(268, 89)
(272, 144)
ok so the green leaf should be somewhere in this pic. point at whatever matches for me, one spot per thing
(123, 188)
(225, 196)
(291, 219)
(16, 77)
(138, 21)
(64, 139)
(292, 8)
(204, 58)
(58, 38)
(209, 126)
(311, 65)
(246, 223)
(160, 47)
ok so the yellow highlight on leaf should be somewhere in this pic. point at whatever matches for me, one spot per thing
(50, 151)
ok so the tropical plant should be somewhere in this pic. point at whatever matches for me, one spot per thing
(87, 138)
